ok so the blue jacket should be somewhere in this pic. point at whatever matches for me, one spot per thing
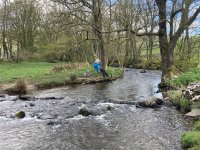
(97, 66)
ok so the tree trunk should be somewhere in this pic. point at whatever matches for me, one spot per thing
(97, 16)
(165, 51)
(5, 48)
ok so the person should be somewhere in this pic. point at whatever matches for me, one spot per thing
(98, 68)
(87, 74)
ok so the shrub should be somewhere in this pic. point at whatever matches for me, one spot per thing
(21, 86)
(185, 105)
(190, 139)
(60, 68)
(73, 77)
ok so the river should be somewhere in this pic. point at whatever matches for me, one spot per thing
(54, 124)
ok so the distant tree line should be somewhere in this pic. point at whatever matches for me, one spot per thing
(119, 32)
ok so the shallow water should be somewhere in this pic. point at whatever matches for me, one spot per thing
(56, 124)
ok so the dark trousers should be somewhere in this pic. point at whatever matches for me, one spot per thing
(103, 73)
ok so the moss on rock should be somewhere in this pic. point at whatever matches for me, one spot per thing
(20, 114)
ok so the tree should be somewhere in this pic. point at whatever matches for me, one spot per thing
(4, 29)
(90, 13)
(167, 46)
(25, 23)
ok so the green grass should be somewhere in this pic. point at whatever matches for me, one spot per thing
(196, 105)
(187, 77)
(191, 139)
(41, 72)
(9, 72)
(197, 125)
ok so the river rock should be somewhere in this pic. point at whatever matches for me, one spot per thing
(194, 113)
(2, 95)
(109, 107)
(32, 104)
(25, 97)
(131, 66)
(143, 71)
(85, 112)
(154, 102)
(20, 114)
(192, 92)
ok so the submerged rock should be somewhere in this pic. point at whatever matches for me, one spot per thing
(25, 97)
(109, 107)
(143, 71)
(85, 112)
(32, 104)
(2, 95)
(20, 114)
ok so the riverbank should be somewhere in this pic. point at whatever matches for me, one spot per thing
(43, 75)
(186, 98)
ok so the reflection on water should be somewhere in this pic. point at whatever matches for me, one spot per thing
(56, 124)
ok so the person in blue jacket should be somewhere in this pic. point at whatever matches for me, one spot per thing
(97, 65)
(98, 68)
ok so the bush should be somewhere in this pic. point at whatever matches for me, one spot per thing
(154, 64)
(190, 139)
(185, 105)
(73, 77)
(70, 66)
(21, 86)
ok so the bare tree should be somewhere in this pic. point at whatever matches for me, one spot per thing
(167, 46)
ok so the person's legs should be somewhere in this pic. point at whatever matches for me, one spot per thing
(103, 72)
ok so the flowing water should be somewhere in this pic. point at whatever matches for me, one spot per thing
(54, 124)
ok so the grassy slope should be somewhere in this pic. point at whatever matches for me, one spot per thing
(187, 77)
(191, 139)
(40, 72)
(9, 72)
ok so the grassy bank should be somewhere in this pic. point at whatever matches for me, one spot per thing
(44, 74)
(191, 139)
(187, 77)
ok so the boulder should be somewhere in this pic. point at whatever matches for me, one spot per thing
(32, 104)
(157, 100)
(154, 102)
(85, 112)
(153, 105)
(194, 113)
(20, 114)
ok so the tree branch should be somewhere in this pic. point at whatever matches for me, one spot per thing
(133, 32)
